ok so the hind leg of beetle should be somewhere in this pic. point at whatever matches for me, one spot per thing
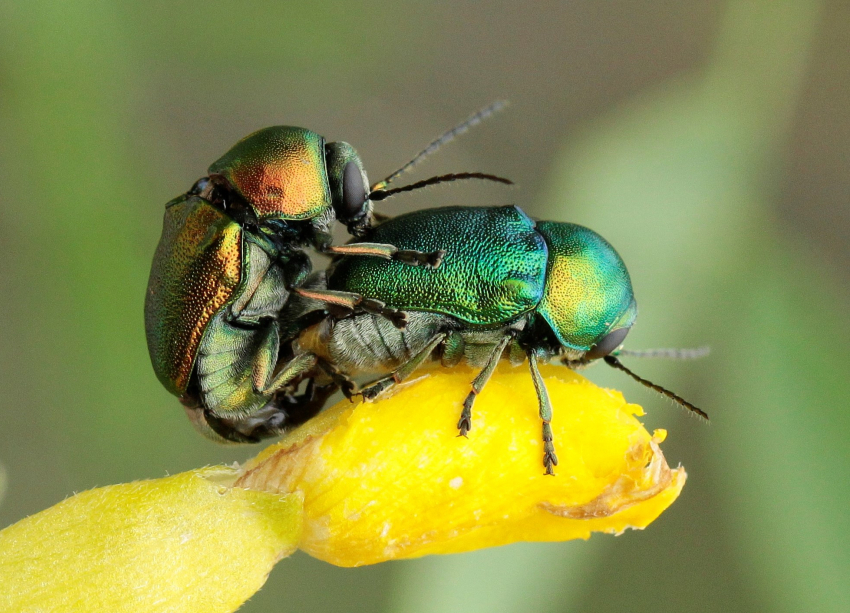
(404, 371)
(270, 419)
(295, 369)
(390, 252)
(550, 460)
(350, 303)
(340, 379)
(465, 423)
(283, 412)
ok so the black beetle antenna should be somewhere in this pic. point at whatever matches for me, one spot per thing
(472, 120)
(614, 362)
(669, 354)
(383, 194)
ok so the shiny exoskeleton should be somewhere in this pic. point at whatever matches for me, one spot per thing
(508, 287)
(229, 258)
(216, 288)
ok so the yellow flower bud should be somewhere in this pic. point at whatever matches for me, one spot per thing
(392, 480)
(359, 484)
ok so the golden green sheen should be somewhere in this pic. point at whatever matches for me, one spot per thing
(588, 289)
(197, 269)
(280, 171)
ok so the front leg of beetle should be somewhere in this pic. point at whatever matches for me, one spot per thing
(350, 303)
(431, 259)
(550, 460)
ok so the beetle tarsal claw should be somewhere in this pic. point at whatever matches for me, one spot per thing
(376, 389)
(550, 461)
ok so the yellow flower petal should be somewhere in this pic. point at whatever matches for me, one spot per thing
(367, 482)
(178, 544)
(392, 479)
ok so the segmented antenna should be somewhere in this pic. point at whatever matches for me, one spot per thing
(670, 354)
(383, 194)
(449, 136)
(614, 362)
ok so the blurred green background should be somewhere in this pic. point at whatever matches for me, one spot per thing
(709, 141)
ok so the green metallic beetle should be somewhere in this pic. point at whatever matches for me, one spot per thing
(508, 286)
(289, 174)
(229, 258)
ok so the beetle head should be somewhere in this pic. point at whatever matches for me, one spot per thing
(349, 187)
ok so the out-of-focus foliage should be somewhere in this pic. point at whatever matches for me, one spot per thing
(679, 127)
(718, 262)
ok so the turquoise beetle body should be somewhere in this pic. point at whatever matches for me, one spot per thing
(501, 265)
(508, 287)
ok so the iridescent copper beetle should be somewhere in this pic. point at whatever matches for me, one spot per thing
(230, 255)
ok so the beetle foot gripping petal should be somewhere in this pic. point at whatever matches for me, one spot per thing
(550, 460)
(464, 424)
(376, 389)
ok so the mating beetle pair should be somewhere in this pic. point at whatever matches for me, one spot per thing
(235, 323)
(230, 257)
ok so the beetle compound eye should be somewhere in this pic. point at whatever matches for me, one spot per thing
(608, 344)
(353, 191)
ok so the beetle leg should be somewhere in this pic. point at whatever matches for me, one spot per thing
(550, 460)
(403, 371)
(453, 350)
(271, 419)
(296, 368)
(351, 302)
(340, 379)
(302, 407)
(465, 422)
(389, 252)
